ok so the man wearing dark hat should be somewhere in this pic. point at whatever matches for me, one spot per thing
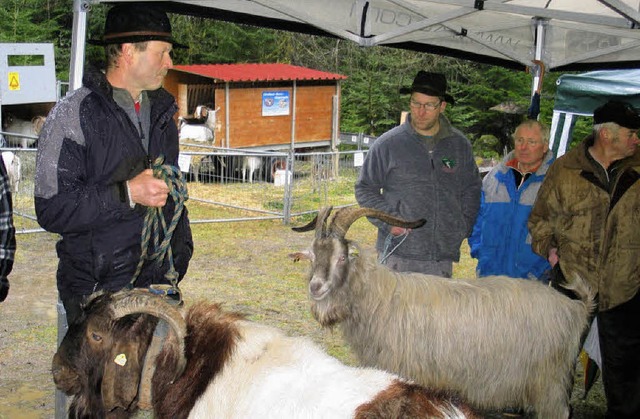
(93, 175)
(423, 168)
(586, 220)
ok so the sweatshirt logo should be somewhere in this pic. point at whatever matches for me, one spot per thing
(448, 165)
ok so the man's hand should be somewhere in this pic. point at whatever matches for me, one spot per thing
(553, 256)
(4, 288)
(398, 231)
(147, 190)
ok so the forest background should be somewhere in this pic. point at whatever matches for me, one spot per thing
(370, 103)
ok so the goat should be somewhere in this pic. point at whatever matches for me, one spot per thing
(201, 128)
(26, 132)
(14, 169)
(251, 164)
(500, 342)
(216, 364)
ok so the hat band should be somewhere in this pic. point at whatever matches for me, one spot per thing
(136, 33)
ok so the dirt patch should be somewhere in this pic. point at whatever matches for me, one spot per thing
(244, 265)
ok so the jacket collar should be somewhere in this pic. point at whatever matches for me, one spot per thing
(577, 158)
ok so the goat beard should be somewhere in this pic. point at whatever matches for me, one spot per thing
(332, 309)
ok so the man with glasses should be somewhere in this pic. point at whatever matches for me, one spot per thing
(423, 168)
(586, 222)
(500, 240)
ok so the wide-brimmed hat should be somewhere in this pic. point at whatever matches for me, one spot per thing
(431, 84)
(136, 22)
(622, 113)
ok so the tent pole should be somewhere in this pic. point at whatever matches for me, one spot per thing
(78, 37)
(541, 29)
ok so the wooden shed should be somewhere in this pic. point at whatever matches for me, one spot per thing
(262, 106)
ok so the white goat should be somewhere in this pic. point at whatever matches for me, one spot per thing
(14, 169)
(26, 131)
(215, 364)
(499, 342)
(201, 128)
(251, 164)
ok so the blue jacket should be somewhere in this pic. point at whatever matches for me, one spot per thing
(501, 240)
(88, 148)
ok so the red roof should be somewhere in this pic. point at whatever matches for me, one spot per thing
(257, 72)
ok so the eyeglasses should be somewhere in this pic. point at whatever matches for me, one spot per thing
(528, 141)
(425, 106)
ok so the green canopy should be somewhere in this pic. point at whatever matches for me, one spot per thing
(580, 94)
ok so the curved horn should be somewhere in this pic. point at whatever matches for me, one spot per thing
(141, 301)
(319, 223)
(347, 216)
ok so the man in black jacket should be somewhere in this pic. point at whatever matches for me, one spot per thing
(93, 176)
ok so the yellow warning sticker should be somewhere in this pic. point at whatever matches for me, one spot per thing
(14, 80)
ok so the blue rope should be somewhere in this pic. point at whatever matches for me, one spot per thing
(387, 244)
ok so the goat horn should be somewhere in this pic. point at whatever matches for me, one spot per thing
(347, 216)
(319, 223)
(141, 301)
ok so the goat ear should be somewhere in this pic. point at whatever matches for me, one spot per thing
(121, 376)
(298, 256)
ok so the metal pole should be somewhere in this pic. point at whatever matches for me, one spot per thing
(541, 29)
(78, 37)
(288, 179)
(76, 66)
(61, 398)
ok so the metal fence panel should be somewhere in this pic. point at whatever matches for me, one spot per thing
(227, 185)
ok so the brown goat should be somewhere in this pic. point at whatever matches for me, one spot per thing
(227, 367)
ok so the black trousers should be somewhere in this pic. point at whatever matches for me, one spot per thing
(73, 307)
(619, 332)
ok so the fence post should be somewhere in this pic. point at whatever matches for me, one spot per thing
(288, 190)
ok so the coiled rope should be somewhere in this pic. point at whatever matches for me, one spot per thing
(155, 226)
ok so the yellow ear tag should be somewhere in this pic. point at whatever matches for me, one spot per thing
(121, 360)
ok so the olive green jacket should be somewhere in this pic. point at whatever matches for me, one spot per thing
(597, 232)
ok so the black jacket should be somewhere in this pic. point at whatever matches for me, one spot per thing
(87, 149)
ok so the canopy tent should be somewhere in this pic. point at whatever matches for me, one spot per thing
(559, 34)
(581, 94)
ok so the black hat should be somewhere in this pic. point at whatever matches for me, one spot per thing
(136, 22)
(622, 113)
(431, 84)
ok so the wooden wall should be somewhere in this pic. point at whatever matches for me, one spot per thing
(249, 128)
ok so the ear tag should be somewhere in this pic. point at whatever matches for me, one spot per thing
(121, 360)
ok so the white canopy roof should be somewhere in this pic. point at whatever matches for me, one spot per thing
(562, 34)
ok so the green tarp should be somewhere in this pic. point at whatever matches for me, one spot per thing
(580, 94)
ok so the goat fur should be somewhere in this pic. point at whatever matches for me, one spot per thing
(27, 131)
(13, 167)
(201, 128)
(250, 164)
(500, 342)
(235, 369)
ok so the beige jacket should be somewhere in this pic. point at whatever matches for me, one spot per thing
(597, 233)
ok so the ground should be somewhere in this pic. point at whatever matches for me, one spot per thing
(245, 265)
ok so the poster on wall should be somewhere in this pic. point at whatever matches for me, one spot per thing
(275, 103)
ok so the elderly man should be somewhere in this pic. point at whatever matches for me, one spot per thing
(500, 240)
(585, 221)
(423, 168)
(93, 180)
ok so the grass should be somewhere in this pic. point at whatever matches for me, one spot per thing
(243, 265)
